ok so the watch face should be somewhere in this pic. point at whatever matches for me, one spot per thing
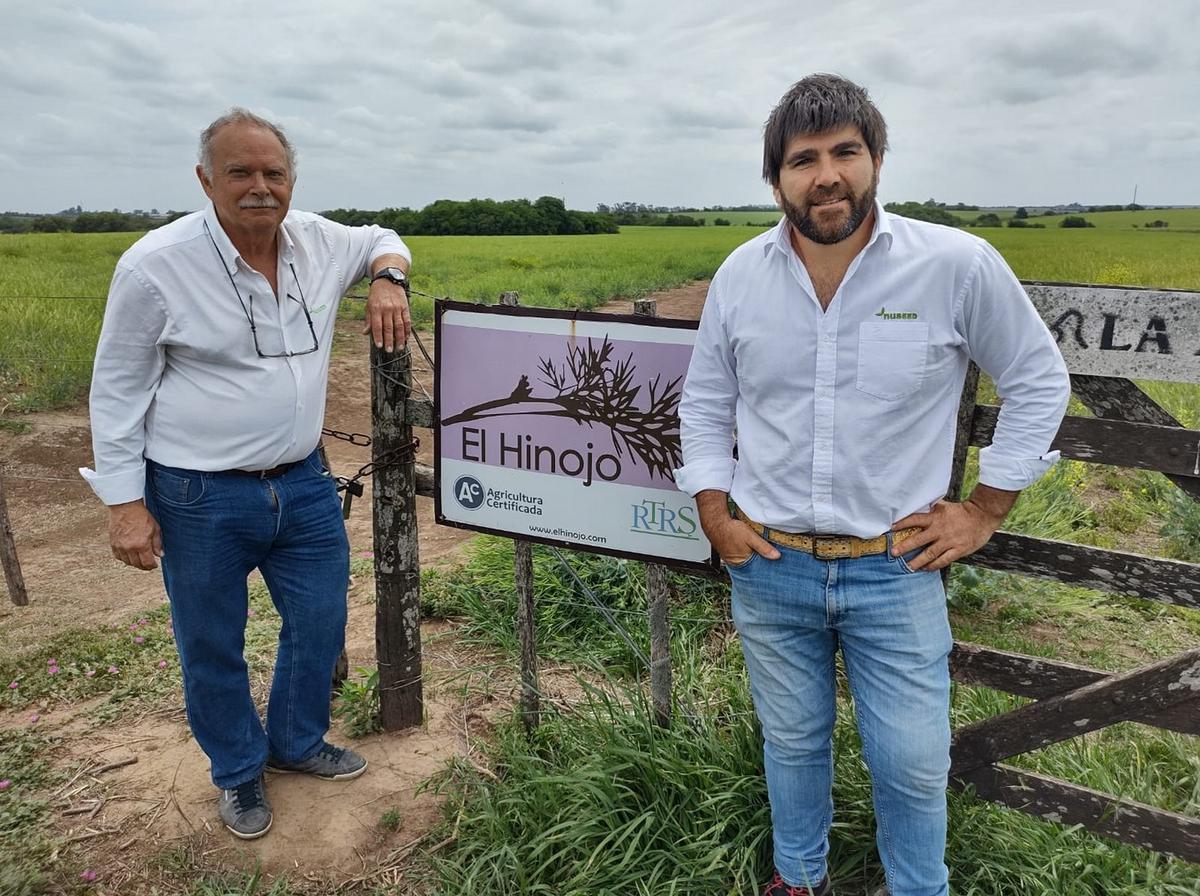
(394, 274)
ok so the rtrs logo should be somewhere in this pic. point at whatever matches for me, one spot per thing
(468, 491)
(656, 518)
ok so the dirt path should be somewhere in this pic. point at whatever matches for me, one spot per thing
(323, 831)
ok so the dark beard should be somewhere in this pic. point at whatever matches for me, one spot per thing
(806, 225)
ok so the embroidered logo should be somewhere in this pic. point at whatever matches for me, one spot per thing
(318, 309)
(896, 315)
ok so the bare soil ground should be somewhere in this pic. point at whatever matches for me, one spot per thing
(163, 804)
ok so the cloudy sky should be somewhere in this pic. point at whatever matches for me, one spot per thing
(652, 101)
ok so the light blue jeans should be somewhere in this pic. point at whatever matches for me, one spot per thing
(216, 529)
(792, 615)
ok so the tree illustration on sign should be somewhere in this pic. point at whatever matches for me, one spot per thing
(591, 388)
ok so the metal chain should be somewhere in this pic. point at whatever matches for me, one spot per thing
(352, 485)
(354, 438)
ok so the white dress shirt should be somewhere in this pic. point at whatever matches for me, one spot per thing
(177, 378)
(846, 418)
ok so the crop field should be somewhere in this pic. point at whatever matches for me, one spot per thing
(46, 338)
(602, 800)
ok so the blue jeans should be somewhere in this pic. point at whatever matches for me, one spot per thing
(216, 529)
(792, 615)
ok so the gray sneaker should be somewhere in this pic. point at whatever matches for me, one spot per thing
(330, 763)
(244, 809)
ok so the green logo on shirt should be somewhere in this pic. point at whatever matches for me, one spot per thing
(896, 315)
(318, 309)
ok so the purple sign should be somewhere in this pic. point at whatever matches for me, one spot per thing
(564, 427)
(597, 407)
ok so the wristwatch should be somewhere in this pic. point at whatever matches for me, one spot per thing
(396, 275)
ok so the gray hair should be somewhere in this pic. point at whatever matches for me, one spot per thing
(819, 104)
(239, 115)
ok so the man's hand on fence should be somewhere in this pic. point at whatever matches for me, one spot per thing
(388, 319)
(733, 540)
(950, 530)
(134, 535)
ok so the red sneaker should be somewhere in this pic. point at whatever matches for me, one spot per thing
(777, 887)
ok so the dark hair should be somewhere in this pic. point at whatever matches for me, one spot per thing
(816, 105)
(239, 115)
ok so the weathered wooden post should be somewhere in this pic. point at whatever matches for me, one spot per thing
(526, 625)
(658, 593)
(397, 564)
(8, 556)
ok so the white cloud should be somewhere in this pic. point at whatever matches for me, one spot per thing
(395, 103)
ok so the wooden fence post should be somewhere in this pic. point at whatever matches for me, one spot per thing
(658, 592)
(8, 556)
(526, 624)
(397, 564)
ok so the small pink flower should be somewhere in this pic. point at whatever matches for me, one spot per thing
(14, 685)
(133, 628)
(5, 784)
(33, 718)
(251, 612)
(90, 673)
(53, 670)
(88, 876)
(113, 670)
(139, 640)
(162, 664)
(51, 662)
(143, 621)
(366, 553)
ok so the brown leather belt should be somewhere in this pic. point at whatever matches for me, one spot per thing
(826, 547)
(272, 473)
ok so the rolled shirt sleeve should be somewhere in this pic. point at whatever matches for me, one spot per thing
(1009, 341)
(129, 363)
(708, 408)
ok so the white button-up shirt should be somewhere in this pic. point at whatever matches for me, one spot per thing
(846, 418)
(177, 378)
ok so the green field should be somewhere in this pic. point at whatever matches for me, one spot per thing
(603, 801)
(1177, 218)
(47, 336)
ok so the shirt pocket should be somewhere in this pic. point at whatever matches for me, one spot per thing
(891, 358)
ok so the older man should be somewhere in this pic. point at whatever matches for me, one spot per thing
(207, 402)
(837, 343)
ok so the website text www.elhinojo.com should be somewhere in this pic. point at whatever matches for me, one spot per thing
(567, 533)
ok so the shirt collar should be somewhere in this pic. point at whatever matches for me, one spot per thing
(779, 237)
(228, 251)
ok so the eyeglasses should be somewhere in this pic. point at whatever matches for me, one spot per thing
(307, 317)
(248, 308)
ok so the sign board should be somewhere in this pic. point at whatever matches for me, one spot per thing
(1145, 334)
(563, 427)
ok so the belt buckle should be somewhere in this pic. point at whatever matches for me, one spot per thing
(832, 552)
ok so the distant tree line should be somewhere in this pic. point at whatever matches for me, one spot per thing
(481, 217)
(79, 221)
(635, 213)
(925, 211)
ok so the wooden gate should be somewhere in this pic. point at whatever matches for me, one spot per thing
(1106, 336)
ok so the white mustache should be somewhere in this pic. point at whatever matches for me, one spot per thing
(264, 202)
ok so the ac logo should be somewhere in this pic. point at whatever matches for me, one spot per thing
(468, 491)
